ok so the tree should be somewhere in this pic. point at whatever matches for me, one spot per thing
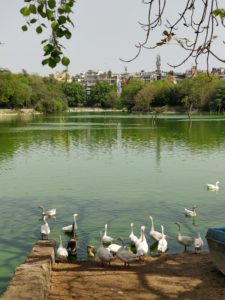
(197, 91)
(217, 101)
(129, 93)
(197, 19)
(75, 94)
(99, 94)
(144, 98)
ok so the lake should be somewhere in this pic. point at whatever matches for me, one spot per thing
(109, 168)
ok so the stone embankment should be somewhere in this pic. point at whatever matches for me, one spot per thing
(32, 278)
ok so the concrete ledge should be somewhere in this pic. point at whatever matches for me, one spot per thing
(32, 278)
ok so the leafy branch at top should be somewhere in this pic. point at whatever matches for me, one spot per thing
(53, 15)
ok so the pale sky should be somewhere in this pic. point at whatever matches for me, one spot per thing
(105, 30)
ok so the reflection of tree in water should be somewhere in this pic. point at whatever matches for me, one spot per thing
(93, 134)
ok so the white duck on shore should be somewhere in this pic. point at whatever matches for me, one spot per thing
(155, 235)
(183, 239)
(62, 252)
(106, 239)
(198, 243)
(142, 245)
(45, 229)
(162, 245)
(191, 213)
(133, 238)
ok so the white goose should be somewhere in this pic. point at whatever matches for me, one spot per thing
(106, 239)
(45, 229)
(126, 256)
(113, 248)
(133, 238)
(62, 252)
(156, 235)
(142, 245)
(213, 187)
(48, 213)
(162, 245)
(73, 227)
(103, 253)
(183, 239)
(190, 213)
(198, 243)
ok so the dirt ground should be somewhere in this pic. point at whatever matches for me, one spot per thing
(180, 276)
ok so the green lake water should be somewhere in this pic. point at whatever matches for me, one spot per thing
(108, 168)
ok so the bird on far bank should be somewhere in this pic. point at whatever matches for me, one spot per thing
(213, 187)
(184, 239)
(191, 213)
(45, 229)
(198, 244)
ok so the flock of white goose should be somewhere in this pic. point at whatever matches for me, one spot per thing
(139, 248)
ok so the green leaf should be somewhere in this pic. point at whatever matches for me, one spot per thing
(61, 11)
(68, 34)
(45, 61)
(65, 61)
(48, 48)
(55, 25)
(49, 14)
(51, 4)
(67, 8)
(39, 29)
(62, 20)
(24, 28)
(32, 9)
(52, 63)
(25, 11)
(32, 21)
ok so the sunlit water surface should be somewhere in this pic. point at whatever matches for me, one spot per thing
(108, 168)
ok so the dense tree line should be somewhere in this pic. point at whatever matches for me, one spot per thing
(46, 94)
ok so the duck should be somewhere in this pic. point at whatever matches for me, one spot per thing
(45, 229)
(183, 239)
(155, 235)
(126, 256)
(162, 244)
(113, 248)
(104, 255)
(106, 239)
(142, 245)
(62, 252)
(48, 213)
(198, 243)
(190, 213)
(213, 187)
(133, 238)
(72, 246)
(73, 227)
(91, 251)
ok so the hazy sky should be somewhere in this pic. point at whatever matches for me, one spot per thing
(105, 30)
